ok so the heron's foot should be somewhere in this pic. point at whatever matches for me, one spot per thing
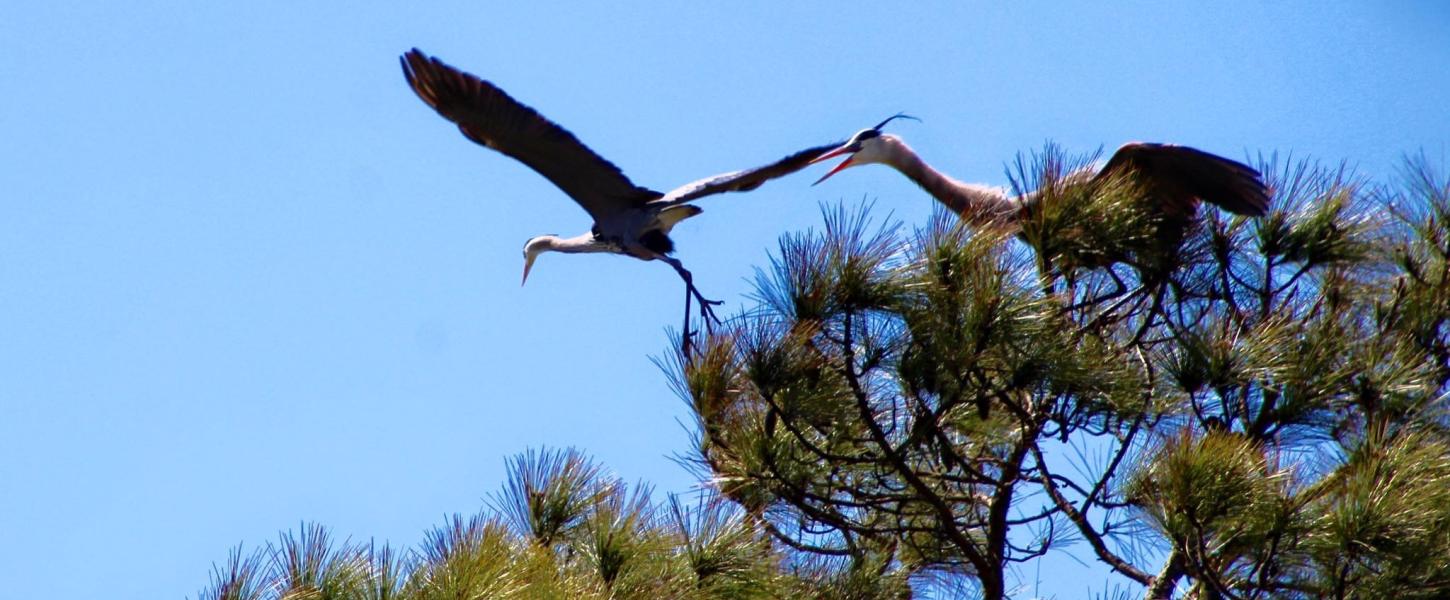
(694, 291)
(707, 312)
(707, 307)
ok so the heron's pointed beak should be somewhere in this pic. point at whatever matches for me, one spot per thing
(528, 264)
(846, 149)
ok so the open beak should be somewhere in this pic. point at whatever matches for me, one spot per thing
(849, 149)
(528, 264)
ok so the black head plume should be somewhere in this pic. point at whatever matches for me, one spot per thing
(893, 117)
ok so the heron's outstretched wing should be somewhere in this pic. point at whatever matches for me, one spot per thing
(490, 117)
(1179, 176)
(747, 179)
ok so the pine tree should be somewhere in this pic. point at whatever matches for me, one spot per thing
(1258, 414)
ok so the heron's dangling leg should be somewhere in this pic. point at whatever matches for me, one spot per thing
(707, 311)
(685, 334)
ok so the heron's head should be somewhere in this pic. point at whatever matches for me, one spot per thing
(865, 147)
(533, 248)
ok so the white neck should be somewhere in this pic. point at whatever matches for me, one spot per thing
(977, 204)
(578, 244)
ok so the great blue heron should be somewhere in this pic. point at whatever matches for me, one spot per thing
(628, 219)
(1172, 178)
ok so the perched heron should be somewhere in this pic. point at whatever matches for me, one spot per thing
(1172, 179)
(1175, 178)
(628, 219)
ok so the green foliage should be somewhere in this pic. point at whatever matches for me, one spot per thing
(1080, 223)
(562, 530)
(870, 578)
(238, 580)
(308, 567)
(949, 403)
(1419, 309)
(467, 558)
(1213, 496)
(1381, 523)
(726, 553)
(549, 494)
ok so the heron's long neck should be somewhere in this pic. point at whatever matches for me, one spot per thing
(978, 204)
(578, 244)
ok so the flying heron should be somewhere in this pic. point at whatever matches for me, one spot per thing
(1172, 179)
(628, 219)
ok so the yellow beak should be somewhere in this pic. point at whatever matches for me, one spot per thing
(846, 149)
(528, 264)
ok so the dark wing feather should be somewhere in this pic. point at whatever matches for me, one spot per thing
(490, 117)
(747, 179)
(1179, 176)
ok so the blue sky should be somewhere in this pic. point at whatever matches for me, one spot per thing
(248, 279)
